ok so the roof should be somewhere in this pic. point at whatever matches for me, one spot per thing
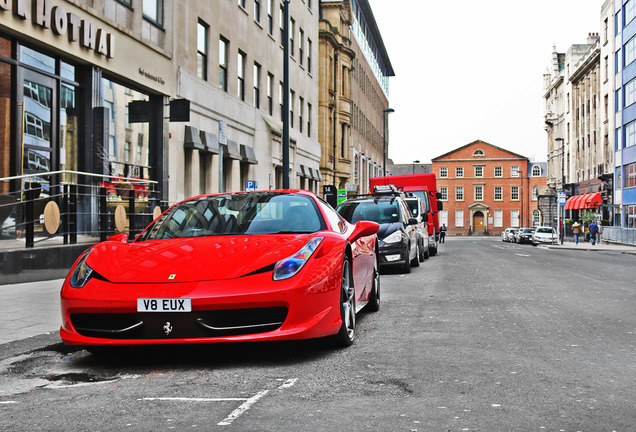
(478, 142)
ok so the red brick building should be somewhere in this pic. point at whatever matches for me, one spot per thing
(486, 189)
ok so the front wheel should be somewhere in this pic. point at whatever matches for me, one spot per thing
(346, 334)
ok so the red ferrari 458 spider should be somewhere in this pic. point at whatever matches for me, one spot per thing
(245, 266)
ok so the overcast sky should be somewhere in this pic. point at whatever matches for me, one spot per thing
(468, 70)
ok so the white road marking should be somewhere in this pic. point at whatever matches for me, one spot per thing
(522, 255)
(8, 402)
(246, 405)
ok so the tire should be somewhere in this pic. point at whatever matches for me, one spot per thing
(433, 251)
(374, 299)
(406, 267)
(427, 254)
(346, 334)
(416, 261)
(422, 254)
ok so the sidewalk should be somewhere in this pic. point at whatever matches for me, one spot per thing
(29, 309)
(603, 247)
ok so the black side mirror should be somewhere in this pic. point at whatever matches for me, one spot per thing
(412, 221)
(440, 205)
(425, 217)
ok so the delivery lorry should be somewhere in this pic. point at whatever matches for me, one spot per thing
(425, 187)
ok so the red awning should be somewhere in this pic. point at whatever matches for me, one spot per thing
(585, 201)
(593, 200)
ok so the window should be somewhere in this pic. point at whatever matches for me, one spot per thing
(514, 193)
(498, 171)
(443, 217)
(630, 92)
(629, 11)
(280, 99)
(536, 218)
(514, 218)
(292, 31)
(630, 134)
(281, 22)
(309, 120)
(443, 172)
(127, 146)
(514, 171)
(241, 3)
(498, 193)
(301, 103)
(630, 175)
(240, 75)
(535, 190)
(202, 50)
(270, 93)
(301, 42)
(630, 51)
(308, 55)
(459, 171)
(479, 171)
(479, 193)
(459, 193)
(223, 60)
(459, 218)
(478, 153)
(256, 94)
(498, 222)
(153, 11)
(443, 190)
(257, 11)
(270, 17)
(630, 213)
(292, 101)
(536, 171)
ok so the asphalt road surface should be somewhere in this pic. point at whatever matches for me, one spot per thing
(486, 336)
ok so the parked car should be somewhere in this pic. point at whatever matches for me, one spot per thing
(508, 235)
(545, 234)
(418, 211)
(524, 235)
(232, 267)
(397, 236)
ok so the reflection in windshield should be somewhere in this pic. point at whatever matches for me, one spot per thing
(240, 213)
(380, 212)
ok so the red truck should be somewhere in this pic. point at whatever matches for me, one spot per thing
(425, 187)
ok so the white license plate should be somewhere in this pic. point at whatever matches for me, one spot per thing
(164, 305)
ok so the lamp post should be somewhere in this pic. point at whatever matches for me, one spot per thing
(562, 188)
(384, 113)
(415, 162)
(286, 94)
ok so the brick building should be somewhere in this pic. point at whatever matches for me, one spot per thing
(486, 189)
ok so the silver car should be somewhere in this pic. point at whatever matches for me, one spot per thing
(508, 235)
(545, 234)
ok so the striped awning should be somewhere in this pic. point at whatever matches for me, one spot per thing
(585, 201)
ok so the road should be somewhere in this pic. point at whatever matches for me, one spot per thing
(486, 336)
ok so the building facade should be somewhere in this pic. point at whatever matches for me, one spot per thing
(354, 92)
(486, 189)
(625, 113)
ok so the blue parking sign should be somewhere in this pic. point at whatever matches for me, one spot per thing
(250, 185)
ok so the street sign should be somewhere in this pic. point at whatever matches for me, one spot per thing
(562, 198)
(251, 185)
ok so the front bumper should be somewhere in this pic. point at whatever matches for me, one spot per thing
(393, 254)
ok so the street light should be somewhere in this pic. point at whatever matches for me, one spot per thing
(415, 162)
(560, 216)
(384, 113)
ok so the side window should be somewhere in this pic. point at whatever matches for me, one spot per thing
(335, 220)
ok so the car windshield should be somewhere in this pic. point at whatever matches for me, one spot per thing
(380, 211)
(414, 206)
(544, 230)
(238, 213)
(528, 230)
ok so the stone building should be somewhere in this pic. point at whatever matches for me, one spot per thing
(354, 87)
(486, 189)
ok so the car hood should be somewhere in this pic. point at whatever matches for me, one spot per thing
(191, 259)
(388, 229)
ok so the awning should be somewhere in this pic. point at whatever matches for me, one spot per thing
(585, 201)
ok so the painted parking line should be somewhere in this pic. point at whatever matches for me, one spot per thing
(242, 409)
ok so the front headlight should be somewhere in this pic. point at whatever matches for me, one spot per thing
(82, 272)
(288, 267)
(393, 238)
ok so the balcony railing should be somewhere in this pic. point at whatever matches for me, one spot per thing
(56, 208)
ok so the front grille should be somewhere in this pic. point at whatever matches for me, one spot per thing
(179, 325)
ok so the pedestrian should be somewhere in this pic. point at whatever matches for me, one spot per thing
(593, 230)
(442, 233)
(576, 230)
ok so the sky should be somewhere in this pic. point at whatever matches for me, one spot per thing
(468, 70)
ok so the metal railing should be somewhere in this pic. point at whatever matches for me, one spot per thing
(55, 208)
(619, 234)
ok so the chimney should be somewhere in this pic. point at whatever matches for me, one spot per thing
(592, 38)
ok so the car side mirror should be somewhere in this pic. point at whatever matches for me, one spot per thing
(120, 238)
(440, 206)
(412, 221)
(364, 228)
(425, 217)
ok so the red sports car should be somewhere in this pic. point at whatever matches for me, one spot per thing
(246, 266)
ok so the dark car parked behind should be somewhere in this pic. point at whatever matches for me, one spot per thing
(525, 235)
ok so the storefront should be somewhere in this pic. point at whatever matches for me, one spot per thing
(66, 134)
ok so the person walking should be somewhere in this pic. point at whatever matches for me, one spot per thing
(442, 233)
(576, 230)
(593, 230)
